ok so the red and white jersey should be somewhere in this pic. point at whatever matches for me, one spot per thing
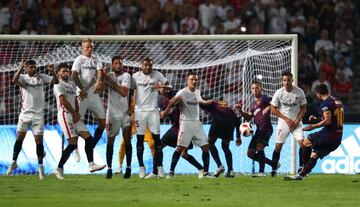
(117, 104)
(289, 102)
(87, 68)
(68, 89)
(146, 94)
(32, 93)
(189, 104)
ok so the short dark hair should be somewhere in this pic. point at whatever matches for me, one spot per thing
(257, 83)
(30, 62)
(287, 73)
(147, 59)
(116, 57)
(322, 89)
(191, 73)
(61, 65)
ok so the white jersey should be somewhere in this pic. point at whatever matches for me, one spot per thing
(289, 102)
(189, 105)
(146, 94)
(117, 104)
(32, 93)
(87, 68)
(68, 89)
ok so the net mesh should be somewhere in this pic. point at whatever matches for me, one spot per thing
(226, 68)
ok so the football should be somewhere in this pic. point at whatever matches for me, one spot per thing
(246, 129)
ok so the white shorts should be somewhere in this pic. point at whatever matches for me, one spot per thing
(283, 132)
(143, 119)
(36, 122)
(68, 127)
(113, 125)
(94, 103)
(191, 131)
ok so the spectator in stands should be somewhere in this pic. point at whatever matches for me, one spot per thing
(207, 13)
(277, 18)
(321, 80)
(222, 8)
(342, 87)
(325, 43)
(232, 24)
(28, 29)
(169, 27)
(190, 20)
(346, 71)
(68, 17)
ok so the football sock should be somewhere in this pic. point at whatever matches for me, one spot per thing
(205, 158)
(215, 154)
(228, 155)
(128, 152)
(261, 160)
(89, 149)
(308, 166)
(174, 160)
(191, 159)
(306, 154)
(140, 149)
(275, 159)
(97, 135)
(158, 150)
(40, 152)
(109, 154)
(301, 163)
(17, 149)
(66, 154)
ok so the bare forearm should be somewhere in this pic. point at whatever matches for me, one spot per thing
(17, 75)
(277, 113)
(76, 79)
(301, 114)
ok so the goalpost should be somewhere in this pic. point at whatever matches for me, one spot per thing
(226, 64)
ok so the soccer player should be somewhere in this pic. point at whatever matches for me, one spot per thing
(329, 137)
(32, 109)
(147, 82)
(222, 126)
(261, 114)
(170, 137)
(88, 75)
(289, 104)
(70, 121)
(117, 114)
(191, 128)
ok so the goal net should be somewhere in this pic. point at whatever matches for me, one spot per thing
(226, 66)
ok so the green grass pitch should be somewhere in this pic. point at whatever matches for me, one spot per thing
(182, 190)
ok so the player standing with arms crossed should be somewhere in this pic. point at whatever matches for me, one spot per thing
(32, 109)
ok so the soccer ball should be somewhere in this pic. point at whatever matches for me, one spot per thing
(246, 129)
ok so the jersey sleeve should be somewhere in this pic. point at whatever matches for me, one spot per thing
(275, 99)
(161, 78)
(133, 81)
(58, 90)
(21, 79)
(46, 78)
(302, 98)
(99, 65)
(76, 65)
(126, 81)
(198, 95)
